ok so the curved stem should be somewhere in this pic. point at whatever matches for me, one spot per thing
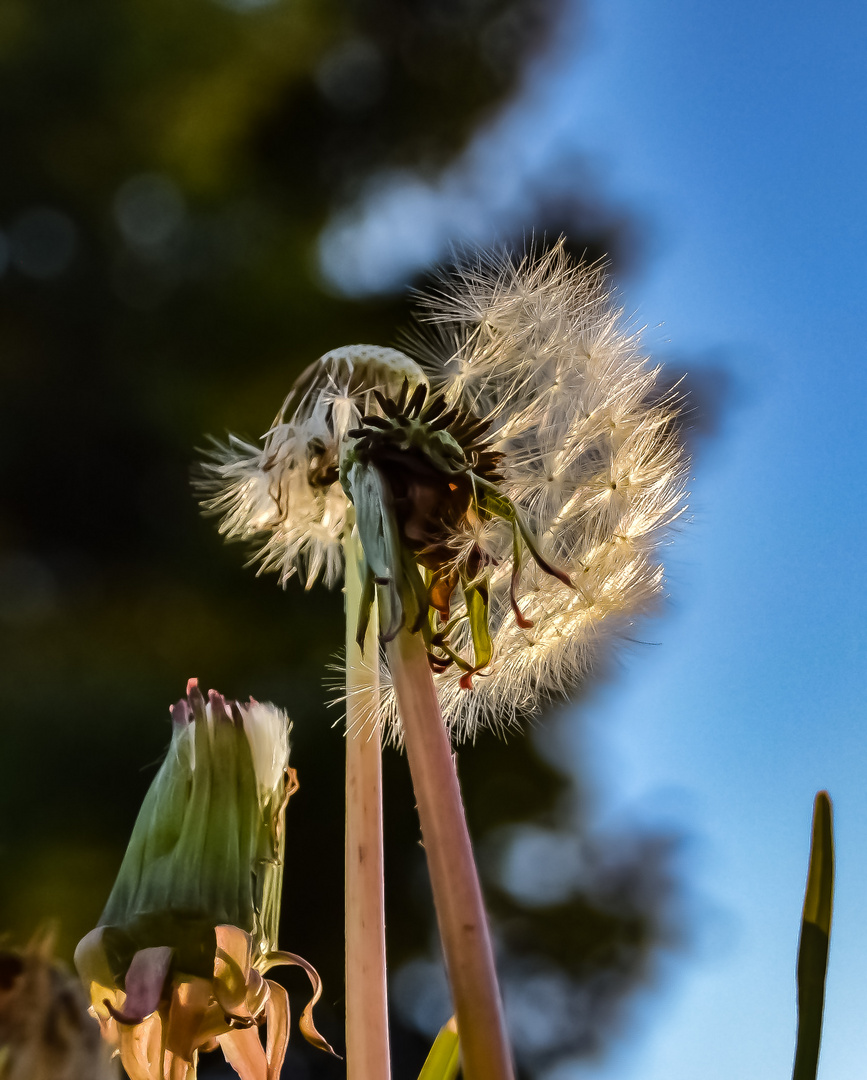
(457, 894)
(367, 1048)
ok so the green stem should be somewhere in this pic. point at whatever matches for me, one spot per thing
(367, 1049)
(457, 894)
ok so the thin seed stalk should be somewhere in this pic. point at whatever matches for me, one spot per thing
(457, 894)
(367, 1048)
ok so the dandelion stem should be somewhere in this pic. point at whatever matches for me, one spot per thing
(367, 1049)
(457, 894)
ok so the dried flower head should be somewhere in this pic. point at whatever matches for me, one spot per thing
(178, 960)
(531, 421)
(287, 490)
(45, 1032)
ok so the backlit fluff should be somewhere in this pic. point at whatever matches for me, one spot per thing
(591, 456)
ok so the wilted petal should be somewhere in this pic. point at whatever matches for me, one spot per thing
(181, 713)
(214, 1023)
(277, 1016)
(190, 1002)
(195, 698)
(239, 988)
(178, 1069)
(305, 1024)
(145, 979)
(95, 972)
(232, 966)
(141, 1048)
(258, 991)
(243, 1051)
(217, 705)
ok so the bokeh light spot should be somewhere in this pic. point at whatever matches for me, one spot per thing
(420, 993)
(149, 210)
(351, 77)
(539, 867)
(42, 242)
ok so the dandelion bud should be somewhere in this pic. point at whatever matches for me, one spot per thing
(177, 961)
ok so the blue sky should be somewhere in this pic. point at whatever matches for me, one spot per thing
(738, 132)
(742, 131)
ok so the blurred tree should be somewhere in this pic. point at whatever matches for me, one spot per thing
(168, 169)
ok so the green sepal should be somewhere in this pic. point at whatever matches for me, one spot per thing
(268, 869)
(477, 596)
(185, 848)
(380, 538)
(815, 940)
(455, 657)
(497, 504)
(365, 604)
(477, 603)
(414, 592)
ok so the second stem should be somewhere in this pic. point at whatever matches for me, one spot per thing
(454, 879)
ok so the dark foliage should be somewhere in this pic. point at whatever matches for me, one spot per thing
(167, 169)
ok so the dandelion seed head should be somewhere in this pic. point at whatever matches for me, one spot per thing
(591, 457)
(587, 449)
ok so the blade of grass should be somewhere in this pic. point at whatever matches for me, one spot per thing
(443, 1061)
(815, 938)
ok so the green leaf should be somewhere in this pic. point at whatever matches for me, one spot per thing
(815, 938)
(443, 1061)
